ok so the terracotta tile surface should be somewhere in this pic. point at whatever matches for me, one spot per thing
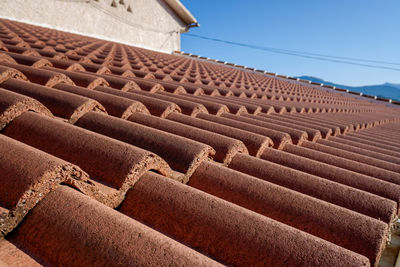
(116, 155)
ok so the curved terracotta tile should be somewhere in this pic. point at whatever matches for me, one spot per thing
(216, 92)
(252, 108)
(85, 60)
(95, 68)
(182, 154)
(255, 143)
(126, 73)
(233, 107)
(375, 136)
(12, 105)
(373, 142)
(120, 83)
(224, 146)
(297, 136)
(358, 121)
(265, 108)
(32, 61)
(62, 104)
(278, 138)
(143, 74)
(309, 161)
(212, 107)
(339, 194)
(21, 50)
(390, 127)
(27, 176)
(6, 58)
(40, 76)
(241, 93)
(146, 84)
(257, 91)
(187, 107)
(309, 121)
(357, 154)
(227, 232)
(156, 107)
(365, 145)
(114, 105)
(175, 88)
(69, 229)
(189, 88)
(81, 78)
(309, 150)
(326, 118)
(338, 225)
(8, 73)
(2, 46)
(49, 48)
(325, 131)
(115, 165)
(103, 70)
(66, 65)
(10, 255)
(313, 135)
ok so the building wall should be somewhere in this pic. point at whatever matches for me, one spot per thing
(150, 23)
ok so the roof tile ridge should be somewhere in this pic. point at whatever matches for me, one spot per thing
(111, 179)
(225, 147)
(13, 105)
(157, 107)
(43, 173)
(7, 59)
(74, 106)
(144, 137)
(96, 234)
(233, 233)
(293, 208)
(9, 72)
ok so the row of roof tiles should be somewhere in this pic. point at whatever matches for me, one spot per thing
(115, 155)
(288, 77)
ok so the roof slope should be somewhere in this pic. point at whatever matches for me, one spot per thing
(115, 155)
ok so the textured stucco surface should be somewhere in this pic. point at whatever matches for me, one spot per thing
(150, 24)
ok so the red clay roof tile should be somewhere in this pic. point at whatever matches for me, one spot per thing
(182, 154)
(108, 161)
(40, 76)
(254, 142)
(303, 212)
(62, 104)
(339, 194)
(28, 175)
(234, 235)
(305, 160)
(67, 224)
(12, 105)
(326, 202)
(156, 107)
(225, 147)
(114, 105)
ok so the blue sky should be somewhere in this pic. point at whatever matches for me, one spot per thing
(366, 29)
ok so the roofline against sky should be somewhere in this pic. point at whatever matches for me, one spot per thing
(182, 12)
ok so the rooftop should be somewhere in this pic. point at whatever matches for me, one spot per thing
(118, 155)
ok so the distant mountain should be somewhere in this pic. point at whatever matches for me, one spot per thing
(392, 85)
(387, 90)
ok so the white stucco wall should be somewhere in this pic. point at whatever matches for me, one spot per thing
(151, 24)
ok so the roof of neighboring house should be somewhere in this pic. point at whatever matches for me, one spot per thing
(182, 12)
(116, 155)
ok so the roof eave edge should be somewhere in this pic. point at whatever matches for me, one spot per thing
(182, 12)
